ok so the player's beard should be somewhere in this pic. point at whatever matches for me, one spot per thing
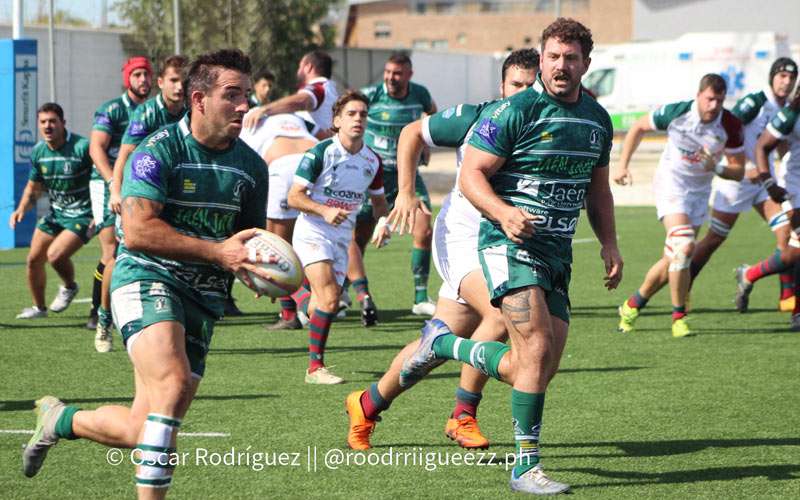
(141, 95)
(567, 91)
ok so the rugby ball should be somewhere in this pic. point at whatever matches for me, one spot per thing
(279, 259)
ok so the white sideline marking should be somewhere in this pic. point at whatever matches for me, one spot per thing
(583, 240)
(184, 434)
(82, 301)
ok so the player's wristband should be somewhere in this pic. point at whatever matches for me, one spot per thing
(768, 183)
(719, 169)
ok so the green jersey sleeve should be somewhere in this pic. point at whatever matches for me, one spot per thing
(147, 173)
(605, 153)
(35, 174)
(103, 120)
(311, 165)
(424, 98)
(748, 107)
(449, 127)
(783, 123)
(254, 204)
(663, 116)
(497, 129)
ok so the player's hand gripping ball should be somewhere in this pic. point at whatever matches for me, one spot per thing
(278, 258)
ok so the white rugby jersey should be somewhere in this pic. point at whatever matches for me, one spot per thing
(687, 136)
(267, 130)
(337, 178)
(323, 94)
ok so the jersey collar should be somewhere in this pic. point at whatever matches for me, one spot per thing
(319, 79)
(160, 101)
(342, 149)
(126, 99)
(183, 124)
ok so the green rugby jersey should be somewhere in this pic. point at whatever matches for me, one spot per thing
(387, 117)
(147, 118)
(112, 118)
(550, 149)
(65, 173)
(206, 194)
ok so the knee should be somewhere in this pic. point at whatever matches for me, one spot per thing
(176, 387)
(679, 247)
(328, 301)
(532, 353)
(36, 259)
(495, 326)
(54, 255)
(423, 236)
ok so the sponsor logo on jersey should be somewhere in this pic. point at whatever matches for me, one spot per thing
(447, 113)
(67, 167)
(189, 187)
(158, 289)
(546, 137)
(157, 137)
(385, 115)
(342, 194)
(237, 190)
(488, 130)
(310, 155)
(145, 167)
(102, 119)
(554, 194)
(500, 109)
(137, 129)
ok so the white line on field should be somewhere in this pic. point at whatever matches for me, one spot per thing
(85, 300)
(583, 240)
(183, 434)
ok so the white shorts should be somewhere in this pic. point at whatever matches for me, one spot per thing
(97, 192)
(455, 249)
(312, 245)
(281, 175)
(735, 197)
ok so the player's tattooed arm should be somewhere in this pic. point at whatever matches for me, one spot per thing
(600, 211)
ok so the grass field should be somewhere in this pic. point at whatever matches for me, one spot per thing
(629, 416)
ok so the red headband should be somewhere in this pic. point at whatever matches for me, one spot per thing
(133, 64)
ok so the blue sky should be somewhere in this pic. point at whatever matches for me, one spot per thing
(86, 9)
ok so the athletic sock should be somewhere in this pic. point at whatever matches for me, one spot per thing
(155, 451)
(678, 312)
(373, 403)
(288, 308)
(301, 297)
(104, 317)
(420, 268)
(483, 356)
(766, 267)
(466, 403)
(97, 285)
(64, 423)
(346, 285)
(787, 283)
(526, 413)
(361, 286)
(637, 301)
(319, 324)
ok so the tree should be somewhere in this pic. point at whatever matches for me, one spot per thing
(274, 33)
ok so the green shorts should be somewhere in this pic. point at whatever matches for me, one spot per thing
(137, 305)
(391, 189)
(53, 224)
(510, 267)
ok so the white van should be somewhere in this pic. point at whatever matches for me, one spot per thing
(633, 78)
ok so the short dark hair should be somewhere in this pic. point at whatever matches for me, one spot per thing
(341, 102)
(568, 30)
(523, 58)
(713, 80)
(399, 58)
(264, 75)
(204, 70)
(321, 61)
(51, 107)
(176, 62)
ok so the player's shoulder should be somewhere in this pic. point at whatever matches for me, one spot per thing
(317, 152)
(593, 109)
(754, 99)
(373, 91)
(730, 120)
(78, 141)
(38, 150)
(166, 139)
(418, 89)
(111, 105)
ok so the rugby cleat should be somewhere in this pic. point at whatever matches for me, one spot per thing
(285, 324)
(786, 305)
(743, 289)
(627, 317)
(794, 325)
(344, 304)
(361, 427)
(48, 409)
(464, 430)
(103, 338)
(91, 322)
(63, 298)
(680, 328)
(32, 313)
(536, 482)
(423, 360)
(369, 313)
(426, 308)
(323, 376)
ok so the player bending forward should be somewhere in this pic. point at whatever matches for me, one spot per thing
(169, 283)
(329, 189)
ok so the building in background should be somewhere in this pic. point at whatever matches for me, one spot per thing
(477, 26)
